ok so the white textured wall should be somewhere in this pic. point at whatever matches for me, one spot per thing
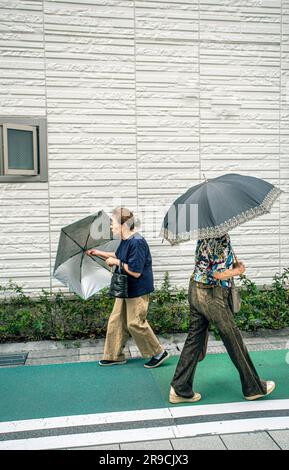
(141, 98)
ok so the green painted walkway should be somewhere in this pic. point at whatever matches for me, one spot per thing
(29, 392)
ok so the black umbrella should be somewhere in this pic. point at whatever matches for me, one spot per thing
(85, 274)
(212, 208)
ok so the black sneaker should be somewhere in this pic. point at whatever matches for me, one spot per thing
(104, 362)
(153, 362)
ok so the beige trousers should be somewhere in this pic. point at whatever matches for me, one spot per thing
(129, 317)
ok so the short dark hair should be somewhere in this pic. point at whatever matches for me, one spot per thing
(124, 215)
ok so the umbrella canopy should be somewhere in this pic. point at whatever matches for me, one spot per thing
(212, 208)
(81, 273)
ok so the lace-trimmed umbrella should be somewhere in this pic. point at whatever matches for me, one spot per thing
(85, 274)
(212, 208)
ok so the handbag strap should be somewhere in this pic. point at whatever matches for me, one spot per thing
(236, 260)
(234, 256)
(119, 268)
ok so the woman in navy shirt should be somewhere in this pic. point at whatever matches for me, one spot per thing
(129, 314)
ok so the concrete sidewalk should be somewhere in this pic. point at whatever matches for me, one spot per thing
(260, 440)
(59, 352)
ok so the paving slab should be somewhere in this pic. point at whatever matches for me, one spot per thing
(90, 357)
(43, 361)
(198, 443)
(44, 352)
(49, 345)
(163, 444)
(179, 337)
(94, 349)
(269, 332)
(280, 345)
(260, 347)
(30, 346)
(281, 438)
(278, 339)
(249, 441)
(53, 353)
(216, 349)
(213, 342)
(107, 447)
(258, 340)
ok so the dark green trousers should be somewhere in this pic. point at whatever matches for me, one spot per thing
(211, 305)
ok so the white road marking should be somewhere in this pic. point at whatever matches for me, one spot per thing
(89, 439)
(236, 407)
(84, 420)
(142, 415)
(145, 434)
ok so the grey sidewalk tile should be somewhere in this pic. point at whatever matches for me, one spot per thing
(135, 355)
(274, 333)
(256, 340)
(280, 344)
(178, 337)
(260, 347)
(51, 360)
(171, 348)
(278, 339)
(213, 343)
(76, 350)
(249, 441)
(163, 444)
(106, 447)
(94, 350)
(281, 437)
(216, 349)
(198, 443)
(262, 333)
(56, 353)
(90, 357)
(30, 346)
(50, 345)
(165, 340)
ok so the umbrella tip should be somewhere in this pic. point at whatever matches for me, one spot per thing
(205, 178)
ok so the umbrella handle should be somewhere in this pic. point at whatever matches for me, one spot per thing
(236, 259)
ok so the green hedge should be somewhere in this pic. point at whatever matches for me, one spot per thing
(58, 317)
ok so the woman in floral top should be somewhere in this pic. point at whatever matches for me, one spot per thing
(213, 254)
(208, 300)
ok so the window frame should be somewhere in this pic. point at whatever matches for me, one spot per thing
(39, 124)
(13, 171)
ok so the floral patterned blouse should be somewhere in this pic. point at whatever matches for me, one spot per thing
(213, 254)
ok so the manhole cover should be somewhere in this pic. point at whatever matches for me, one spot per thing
(13, 359)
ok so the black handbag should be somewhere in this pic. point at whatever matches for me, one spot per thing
(234, 297)
(119, 283)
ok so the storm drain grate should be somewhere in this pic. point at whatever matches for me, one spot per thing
(13, 359)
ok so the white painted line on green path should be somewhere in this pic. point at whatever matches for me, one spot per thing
(85, 420)
(89, 439)
(142, 415)
(146, 434)
(226, 408)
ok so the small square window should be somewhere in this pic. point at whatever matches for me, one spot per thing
(20, 150)
(23, 149)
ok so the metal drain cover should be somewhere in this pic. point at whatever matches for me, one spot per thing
(13, 359)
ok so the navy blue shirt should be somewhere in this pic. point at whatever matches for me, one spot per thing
(136, 253)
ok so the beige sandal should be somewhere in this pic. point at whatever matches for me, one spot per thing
(174, 398)
(270, 387)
